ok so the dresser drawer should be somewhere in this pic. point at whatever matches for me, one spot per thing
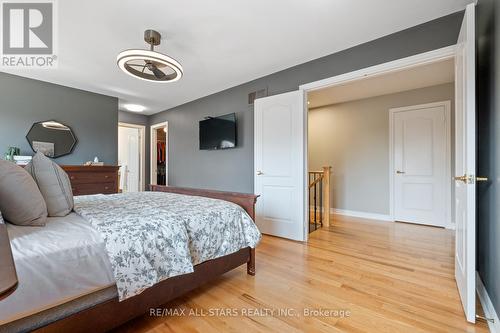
(91, 177)
(94, 188)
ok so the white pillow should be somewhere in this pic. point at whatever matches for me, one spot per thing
(54, 184)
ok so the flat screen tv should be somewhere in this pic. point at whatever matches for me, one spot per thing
(218, 132)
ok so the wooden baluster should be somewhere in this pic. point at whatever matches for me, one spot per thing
(326, 195)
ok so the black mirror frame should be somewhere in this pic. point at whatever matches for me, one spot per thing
(75, 140)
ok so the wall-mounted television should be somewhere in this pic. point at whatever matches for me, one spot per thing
(218, 132)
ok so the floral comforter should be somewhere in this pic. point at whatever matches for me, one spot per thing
(151, 236)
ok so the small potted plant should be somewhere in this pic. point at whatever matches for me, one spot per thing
(11, 152)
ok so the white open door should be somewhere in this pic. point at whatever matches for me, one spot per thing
(279, 164)
(465, 166)
(129, 158)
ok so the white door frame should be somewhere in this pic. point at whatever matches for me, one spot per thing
(368, 72)
(392, 172)
(142, 152)
(152, 175)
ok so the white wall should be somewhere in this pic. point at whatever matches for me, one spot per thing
(353, 138)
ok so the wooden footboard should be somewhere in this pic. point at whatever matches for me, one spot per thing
(246, 201)
(110, 314)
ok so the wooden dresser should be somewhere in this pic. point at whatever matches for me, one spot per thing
(93, 179)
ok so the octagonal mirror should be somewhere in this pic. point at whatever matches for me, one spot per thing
(51, 138)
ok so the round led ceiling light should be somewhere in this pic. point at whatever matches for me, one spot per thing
(134, 107)
(150, 65)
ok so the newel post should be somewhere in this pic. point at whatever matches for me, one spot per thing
(326, 195)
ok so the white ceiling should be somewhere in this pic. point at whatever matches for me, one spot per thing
(404, 80)
(220, 43)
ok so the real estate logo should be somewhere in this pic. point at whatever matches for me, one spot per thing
(28, 34)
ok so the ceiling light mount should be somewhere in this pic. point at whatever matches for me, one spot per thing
(150, 65)
(152, 37)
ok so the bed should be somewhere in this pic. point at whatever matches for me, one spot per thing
(87, 296)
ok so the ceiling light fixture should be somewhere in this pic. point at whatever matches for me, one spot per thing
(134, 107)
(150, 65)
(54, 125)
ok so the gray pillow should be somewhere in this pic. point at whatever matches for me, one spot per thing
(54, 184)
(20, 199)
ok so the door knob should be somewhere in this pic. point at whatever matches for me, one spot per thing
(400, 172)
(259, 173)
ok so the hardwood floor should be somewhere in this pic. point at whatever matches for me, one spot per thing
(390, 277)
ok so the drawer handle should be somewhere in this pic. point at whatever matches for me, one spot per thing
(106, 188)
(106, 176)
(72, 177)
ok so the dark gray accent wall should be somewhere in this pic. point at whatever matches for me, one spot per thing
(139, 119)
(233, 169)
(132, 118)
(488, 143)
(93, 117)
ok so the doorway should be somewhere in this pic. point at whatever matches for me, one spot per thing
(131, 157)
(159, 154)
(371, 129)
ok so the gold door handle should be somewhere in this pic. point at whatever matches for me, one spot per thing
(463, 178)
(471, 179)
(400, 172)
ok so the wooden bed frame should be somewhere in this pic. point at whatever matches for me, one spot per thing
(110, 314)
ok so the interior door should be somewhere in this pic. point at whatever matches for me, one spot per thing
(465, 165)
(129, 158)
(421, 188)
(279, 164)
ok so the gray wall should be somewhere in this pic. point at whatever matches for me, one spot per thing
(139, 119)
(233, 169)
(92, 117)
(488, 136)
(353, 138)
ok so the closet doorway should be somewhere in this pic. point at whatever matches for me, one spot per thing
(159, 154)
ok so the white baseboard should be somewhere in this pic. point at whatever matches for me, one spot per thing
(488, 308)
(372, 216)
(363, 215)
